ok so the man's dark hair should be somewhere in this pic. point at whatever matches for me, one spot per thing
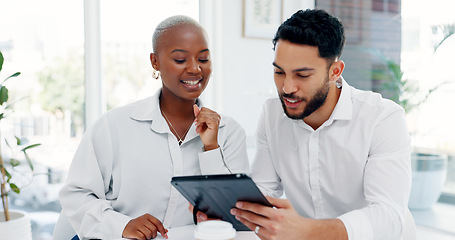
(314, 27)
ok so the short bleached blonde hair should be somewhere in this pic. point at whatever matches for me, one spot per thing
(169, 23)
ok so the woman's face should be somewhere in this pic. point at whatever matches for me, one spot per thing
(183, 59)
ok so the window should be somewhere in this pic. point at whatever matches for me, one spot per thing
(426, 58)
(44, 40)
(46, 46)
(391, 6)
(417, 42)
(378, 5)
(126, 43)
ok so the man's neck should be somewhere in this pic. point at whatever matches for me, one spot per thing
(318, 117)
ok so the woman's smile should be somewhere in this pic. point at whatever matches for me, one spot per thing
(192, 83)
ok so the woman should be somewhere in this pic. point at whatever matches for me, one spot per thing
(119, 181)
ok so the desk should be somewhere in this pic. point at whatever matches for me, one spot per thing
(186, 233)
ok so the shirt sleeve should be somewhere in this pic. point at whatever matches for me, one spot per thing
(231, 156)
(83, 197)
(263, 171)
(387, 183)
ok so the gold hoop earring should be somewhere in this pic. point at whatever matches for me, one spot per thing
(156, 74)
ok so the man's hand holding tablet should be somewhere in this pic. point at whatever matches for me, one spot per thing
(215, 195)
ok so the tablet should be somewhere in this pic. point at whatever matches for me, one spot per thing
(216, 195)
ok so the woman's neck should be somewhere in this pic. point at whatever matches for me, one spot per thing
(177, 108)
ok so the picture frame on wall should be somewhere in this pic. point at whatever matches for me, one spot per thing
(261, 18)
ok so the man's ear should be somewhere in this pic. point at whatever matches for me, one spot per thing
(336, 70)
(154, 61)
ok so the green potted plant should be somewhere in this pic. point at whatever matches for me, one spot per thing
(14, 224)
(429, 167)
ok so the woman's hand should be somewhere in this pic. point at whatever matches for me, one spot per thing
(207, 123)
(144, 227)
(201, 217)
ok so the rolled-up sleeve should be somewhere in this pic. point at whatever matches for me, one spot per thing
(231, 156)
(387, 183)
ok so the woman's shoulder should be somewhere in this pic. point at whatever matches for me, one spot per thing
(138, 109)
(228, 121)
(123, 114)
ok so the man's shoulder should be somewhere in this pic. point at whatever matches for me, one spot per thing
(273, 112)
(373, 102)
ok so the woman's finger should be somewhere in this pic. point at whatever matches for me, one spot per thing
(196, 111)
(149, 232)
(201, 216)
(159, 226)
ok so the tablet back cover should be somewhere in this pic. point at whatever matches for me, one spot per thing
(216, 195)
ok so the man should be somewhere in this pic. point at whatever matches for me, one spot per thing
(341, 155)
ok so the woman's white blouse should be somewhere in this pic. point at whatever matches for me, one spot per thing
(124, 164)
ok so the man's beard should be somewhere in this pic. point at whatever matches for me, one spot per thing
(312, 105)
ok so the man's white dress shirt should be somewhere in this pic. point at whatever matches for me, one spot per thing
(124, 164)
(355, 167)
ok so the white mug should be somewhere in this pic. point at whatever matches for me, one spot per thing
(214, 230)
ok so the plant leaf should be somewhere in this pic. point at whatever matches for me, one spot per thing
(1, 60)
(14, 162)
(3, 94)
(29, 161)
(7, 144)
(14, 188)
(42, 173)
(8, 176)
(30, 146)
(14, 75)
(10, 105)
(18, 141)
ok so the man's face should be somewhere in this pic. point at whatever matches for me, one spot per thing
(301, 78)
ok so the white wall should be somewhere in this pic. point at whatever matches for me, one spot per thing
(243, 73)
